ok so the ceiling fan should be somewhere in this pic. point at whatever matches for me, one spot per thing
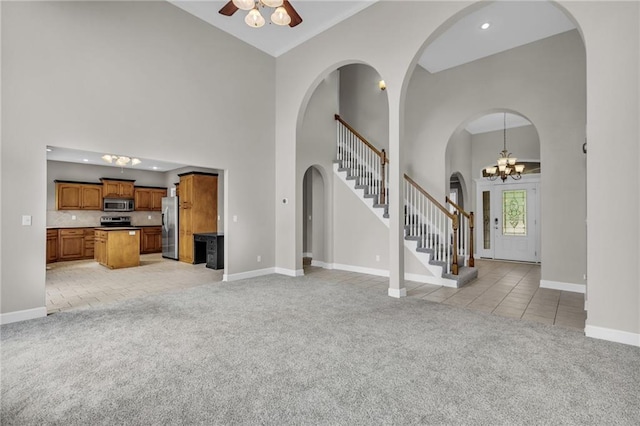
(284, 13)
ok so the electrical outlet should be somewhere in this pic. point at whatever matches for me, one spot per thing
(259, 258)
(149, 217)
(377, 258)
(73, 217)
(309, 217)
(235, 218)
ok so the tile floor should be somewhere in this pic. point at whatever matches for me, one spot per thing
(506, 289)
(503, 288)
(85, 283)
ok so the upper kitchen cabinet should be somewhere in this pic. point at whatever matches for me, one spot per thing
(78, 196)
(149, 198)
(198, 210)
(112, 188)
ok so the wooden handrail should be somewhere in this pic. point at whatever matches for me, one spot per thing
(471, 218)
(362, 138)
(433, 200)
(457, 207)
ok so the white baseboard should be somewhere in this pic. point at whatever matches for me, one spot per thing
(360, 270)
(307, 255)
(557, 285)
(612, 335)
(24, 315)
(321, 264)
(289, 272)
(397, 292)
(248, 274)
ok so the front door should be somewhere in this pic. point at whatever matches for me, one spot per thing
(509, 227)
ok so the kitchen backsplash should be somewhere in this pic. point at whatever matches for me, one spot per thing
(89, 218)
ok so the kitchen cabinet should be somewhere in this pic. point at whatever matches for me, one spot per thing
(149, 199)
(71, 244)
(198, 210)
(78, 196)
(117, 247)
(151, 239)
(89, 243)
(112, 188)
(52, 245)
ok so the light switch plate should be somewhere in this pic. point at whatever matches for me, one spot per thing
(26, 220)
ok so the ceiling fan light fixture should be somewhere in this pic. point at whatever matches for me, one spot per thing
(108, 158)
(244, 4)
(280, 17)
(254, 18)
(135, 161)
(272, 3)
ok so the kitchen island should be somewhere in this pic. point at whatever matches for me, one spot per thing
(117, 247)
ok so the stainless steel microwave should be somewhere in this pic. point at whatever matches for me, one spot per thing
(117, 205)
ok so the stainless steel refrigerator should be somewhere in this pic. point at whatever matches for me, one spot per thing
(170, 228)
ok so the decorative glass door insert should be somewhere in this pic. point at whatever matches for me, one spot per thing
(514, 212)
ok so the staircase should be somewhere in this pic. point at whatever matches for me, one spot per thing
(440, 238)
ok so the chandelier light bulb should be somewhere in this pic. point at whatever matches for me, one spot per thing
(280, 17)
(108, 158)
(254, 18)
(244, 4)
(272, 3)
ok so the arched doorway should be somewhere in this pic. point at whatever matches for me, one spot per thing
(526, 79)
(352, 91)
(314, 239)
(508, 225)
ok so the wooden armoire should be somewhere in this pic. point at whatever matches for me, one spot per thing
(198, 210)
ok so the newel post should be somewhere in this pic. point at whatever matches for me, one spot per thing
(454, 263)
(383, 189)
(471, 225)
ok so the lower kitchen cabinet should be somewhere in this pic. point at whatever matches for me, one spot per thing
(71, 244)
(89, 242)
(151, 239)
(52, 245)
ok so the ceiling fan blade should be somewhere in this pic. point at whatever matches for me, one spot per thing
(228, 9)
(295, 18)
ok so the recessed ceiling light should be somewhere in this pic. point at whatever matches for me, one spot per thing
(155, 167)
(49, 150)
(85, 160)
(485, 26)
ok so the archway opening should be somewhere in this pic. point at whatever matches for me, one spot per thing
(351, 91)
(313, 216)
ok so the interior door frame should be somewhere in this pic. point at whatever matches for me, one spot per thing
(487, 185)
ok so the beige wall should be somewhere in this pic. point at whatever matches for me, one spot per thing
(141, 78)
(363, 105)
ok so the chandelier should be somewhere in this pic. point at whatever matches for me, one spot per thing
(120, 160)
(506, 163)
(254, 18)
